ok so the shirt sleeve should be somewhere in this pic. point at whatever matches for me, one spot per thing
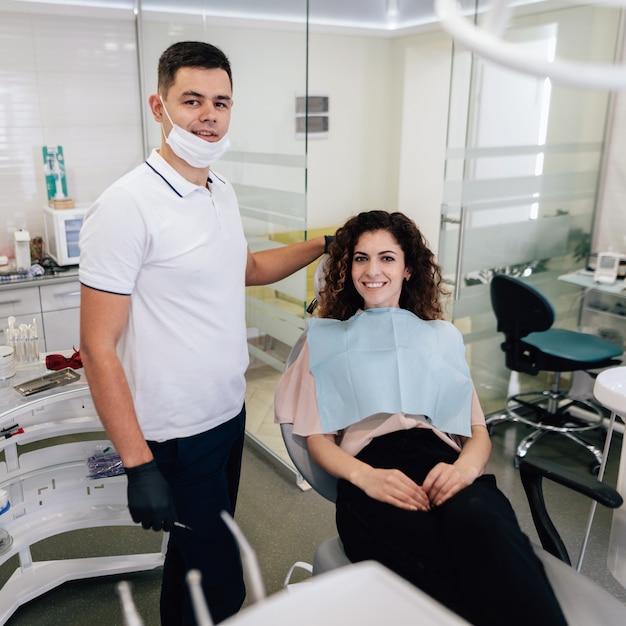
(295, 400)
(112, 243)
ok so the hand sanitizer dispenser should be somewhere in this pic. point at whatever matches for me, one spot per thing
(22, 249)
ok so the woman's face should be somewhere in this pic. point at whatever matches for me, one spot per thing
(378, 269)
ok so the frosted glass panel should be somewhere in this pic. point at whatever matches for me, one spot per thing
(272, 200)
(270, 189)
(503, 245)
(523, 164)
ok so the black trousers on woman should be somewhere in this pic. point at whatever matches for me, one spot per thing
(469, 553)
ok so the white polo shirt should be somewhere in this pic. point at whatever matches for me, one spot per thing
(179, 252)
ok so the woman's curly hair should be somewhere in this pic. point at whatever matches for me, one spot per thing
(421, 293)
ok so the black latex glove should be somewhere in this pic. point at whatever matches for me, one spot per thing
(328, 239)
(149, 497)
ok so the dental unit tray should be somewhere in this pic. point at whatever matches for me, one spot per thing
(47, 381)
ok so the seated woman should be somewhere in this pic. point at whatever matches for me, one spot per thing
(382, 392)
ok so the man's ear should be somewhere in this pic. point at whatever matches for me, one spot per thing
(156, 106)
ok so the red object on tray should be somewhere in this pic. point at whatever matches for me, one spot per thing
(59, 362)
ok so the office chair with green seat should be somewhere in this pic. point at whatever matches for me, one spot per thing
(525, 317)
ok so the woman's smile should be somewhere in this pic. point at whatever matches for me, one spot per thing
(378, 269)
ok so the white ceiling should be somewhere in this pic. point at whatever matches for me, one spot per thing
(354, 13)
(380, 15)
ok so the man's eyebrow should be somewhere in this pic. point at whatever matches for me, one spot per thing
(195, 94)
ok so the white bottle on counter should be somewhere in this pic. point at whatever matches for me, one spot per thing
(22, 249)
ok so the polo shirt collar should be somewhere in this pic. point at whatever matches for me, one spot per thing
(179, 184)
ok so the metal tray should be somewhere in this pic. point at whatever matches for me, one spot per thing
(47, 381)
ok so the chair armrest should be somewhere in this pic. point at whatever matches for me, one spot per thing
(532, 472)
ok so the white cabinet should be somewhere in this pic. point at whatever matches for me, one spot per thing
(43, 468)
(603, 313)
(54, 304)
(60, 306)
(23, 304)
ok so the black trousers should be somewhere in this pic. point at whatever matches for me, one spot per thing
(203, 473)
(469, 553)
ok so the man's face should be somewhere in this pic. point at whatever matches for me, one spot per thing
(200, 101)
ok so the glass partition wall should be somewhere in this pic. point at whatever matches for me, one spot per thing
(522, 173)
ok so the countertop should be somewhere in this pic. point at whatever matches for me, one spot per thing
(584, 278)
(12, 402)
(19, 281)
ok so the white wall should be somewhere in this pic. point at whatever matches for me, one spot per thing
(388, 124)
(73, 80)
(348, 172)
(63, 81)
(426, 67)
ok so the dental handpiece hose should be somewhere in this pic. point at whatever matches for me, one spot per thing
(200, 608)
(129, 610)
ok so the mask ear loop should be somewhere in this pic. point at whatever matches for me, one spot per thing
(168, 117)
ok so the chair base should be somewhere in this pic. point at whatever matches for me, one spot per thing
(329, 556)
(552, 411)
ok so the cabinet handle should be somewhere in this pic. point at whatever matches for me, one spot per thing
(65, 295)
(4, 302)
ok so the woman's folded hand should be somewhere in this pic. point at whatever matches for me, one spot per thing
(393, 487)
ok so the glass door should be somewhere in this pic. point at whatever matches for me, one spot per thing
(523, 165)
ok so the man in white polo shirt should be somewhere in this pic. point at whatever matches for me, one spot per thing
(164, 265)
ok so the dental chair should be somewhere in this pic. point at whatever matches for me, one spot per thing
(583, 602)
(531, 345)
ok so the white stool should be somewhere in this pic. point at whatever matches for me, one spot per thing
(610, 391)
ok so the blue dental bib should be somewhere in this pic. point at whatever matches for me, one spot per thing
(388, 360)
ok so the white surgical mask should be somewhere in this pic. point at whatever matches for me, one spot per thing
(195, 151)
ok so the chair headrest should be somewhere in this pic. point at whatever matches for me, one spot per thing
(520, 308)
(318, 282)
(318, 276)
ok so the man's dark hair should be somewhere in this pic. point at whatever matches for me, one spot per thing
(190, 54)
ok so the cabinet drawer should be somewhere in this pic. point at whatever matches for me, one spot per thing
(62, 329)
(18, 302)
(60, 296)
